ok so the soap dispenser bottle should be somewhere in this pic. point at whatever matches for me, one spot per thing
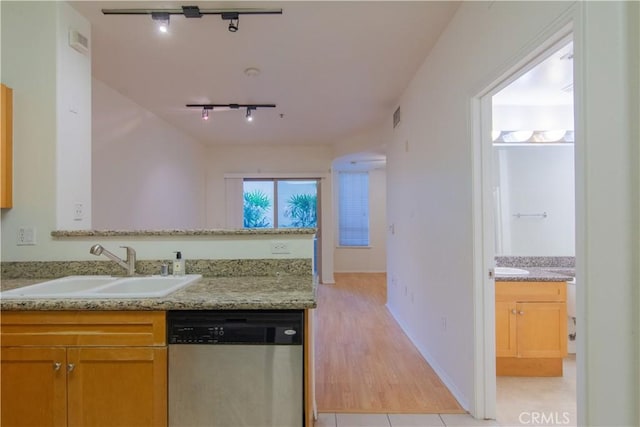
(178, 265)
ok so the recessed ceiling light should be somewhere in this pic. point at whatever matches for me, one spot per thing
(252, 72)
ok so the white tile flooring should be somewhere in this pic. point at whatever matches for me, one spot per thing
(399, 420)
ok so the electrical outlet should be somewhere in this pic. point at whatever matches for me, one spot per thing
(78, 211)
(26, 236)
(280, 248)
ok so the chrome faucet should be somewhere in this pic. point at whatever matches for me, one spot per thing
(129, 264)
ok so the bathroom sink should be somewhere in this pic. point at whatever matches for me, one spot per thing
(145, 287)
(59, 288)
(91, 287)
(510, 271)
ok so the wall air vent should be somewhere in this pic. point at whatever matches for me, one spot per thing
(396, 117)
(78, 42)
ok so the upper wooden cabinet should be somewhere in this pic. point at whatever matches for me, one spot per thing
(6, 151)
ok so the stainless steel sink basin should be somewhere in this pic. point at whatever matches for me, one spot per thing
(90, 287)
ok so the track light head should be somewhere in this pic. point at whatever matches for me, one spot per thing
(234, 20)
(205, 114)
(162, 20)
(248, 115)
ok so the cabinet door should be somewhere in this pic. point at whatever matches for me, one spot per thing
(6, 147)
(506, 342)
(542, 329)
(33, 385)
(117, 386)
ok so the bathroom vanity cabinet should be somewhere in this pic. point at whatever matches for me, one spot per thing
(73, 368)
(531, 328)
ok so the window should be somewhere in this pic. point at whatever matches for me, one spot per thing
(280, 203)
(353, 208)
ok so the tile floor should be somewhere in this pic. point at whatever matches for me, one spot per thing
(399, 420)
(519, 400)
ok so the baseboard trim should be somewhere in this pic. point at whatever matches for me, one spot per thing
(460, 397)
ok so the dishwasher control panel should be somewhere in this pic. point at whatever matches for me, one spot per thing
(235, 327)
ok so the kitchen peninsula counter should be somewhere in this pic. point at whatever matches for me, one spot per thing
(277, 292)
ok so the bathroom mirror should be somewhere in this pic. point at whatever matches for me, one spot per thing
(534, 199)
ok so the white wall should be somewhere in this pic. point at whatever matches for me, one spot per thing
(30, 39)
(29, 46)
(536, 179)
(607, 190)
(146, 173)
(73, 144)
(372, 259)
(430, 181)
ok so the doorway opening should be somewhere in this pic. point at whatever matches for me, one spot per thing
(533, 190)
(526, 218)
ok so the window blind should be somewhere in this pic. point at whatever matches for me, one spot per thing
(353, 208)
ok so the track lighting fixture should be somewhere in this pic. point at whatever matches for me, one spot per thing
(234, 19)
(162, 15)
(162, 20)
(223, 107)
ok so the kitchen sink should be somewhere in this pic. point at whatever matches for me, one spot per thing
(145, 287)
(91, 287)
(510, 271)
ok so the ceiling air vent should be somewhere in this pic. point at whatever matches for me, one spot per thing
(396, 117)
(78, 42)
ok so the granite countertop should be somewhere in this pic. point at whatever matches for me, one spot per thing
(539, 274)
(195, 232)
(282, 292)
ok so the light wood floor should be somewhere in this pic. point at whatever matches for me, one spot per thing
(364, 362)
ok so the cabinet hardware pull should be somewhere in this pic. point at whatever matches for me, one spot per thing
(521, 312)
(70, 367)
(56, 366)
(513, 311)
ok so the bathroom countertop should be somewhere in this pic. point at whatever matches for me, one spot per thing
(539, 274)
(282, 292)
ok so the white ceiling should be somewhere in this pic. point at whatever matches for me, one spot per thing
(334, 68)
(548, 83)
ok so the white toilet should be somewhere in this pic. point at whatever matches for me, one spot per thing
(571, 315)
(571, 297)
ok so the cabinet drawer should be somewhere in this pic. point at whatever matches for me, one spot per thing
(531, 291)
(83, 328)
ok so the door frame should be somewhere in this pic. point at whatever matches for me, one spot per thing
(551, 38)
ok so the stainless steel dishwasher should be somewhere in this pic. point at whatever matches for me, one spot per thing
(235, 368)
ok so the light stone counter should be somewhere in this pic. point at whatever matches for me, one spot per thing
(539, 274)
(540, 268)
(196, 232)
(280, 292)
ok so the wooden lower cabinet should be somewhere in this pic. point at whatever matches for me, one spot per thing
(81, 385)
(33, 392)
(117, 386)
(531, 328)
